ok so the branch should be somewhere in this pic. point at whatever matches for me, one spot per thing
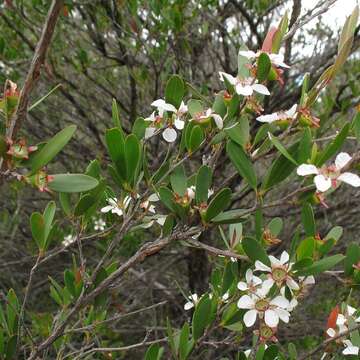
(328, 341)
(34, 71)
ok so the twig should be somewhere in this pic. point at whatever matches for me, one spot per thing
(328, 341)
(34, 71)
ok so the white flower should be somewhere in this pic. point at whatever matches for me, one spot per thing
(192, 190)
(279, 271)
(276, 59)
(252, 282)
(244, 87)
(271, 310)
(193, 299)
(99, 224)
(350, 349)
(327, 177)
(169, 133)
(68, 240)
(280, 115)
(225, 297)
(163, 106)
(115, 207)
(147, 206)
(210, 114)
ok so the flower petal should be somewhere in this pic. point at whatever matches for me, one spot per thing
(231, 79)
(106, 209)
(245, 302)
(322, 183)
(247, 53)
(307, 169)
(284, 258)
(261, 89)
(280, 301)
(179, 124)
(291, 283)
(169, 134)
(269, 118)
(342, 160)
(189, 305)
(250, 318)
(292, 111)
(259, 266)
(218, 120)
(283, 315)
(149, 132)
(331, 332)
(350, 178)
(249, 276)
(271, 318)
(242, 286)
(245, 90)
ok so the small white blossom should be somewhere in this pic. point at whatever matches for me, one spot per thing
(252, 283)
(279, 272)
(169, 133)
(99, 225)
(193, 300)
(276, 59)
(244, 87)
(116, 207)
(68, 240)
(279, 115)
(350, 349)
(271, 310)
(210, 114)
(329, 176)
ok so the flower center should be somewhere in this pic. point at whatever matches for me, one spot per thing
(266, 332)
(262, 305)
(279, 274)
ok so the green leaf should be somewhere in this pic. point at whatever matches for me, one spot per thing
(11, 347)
(69, 280)
(174, 91)
(263, 67)
(335, 233)
(65, 203)
(48, 216)
(243, 70)
(178, 180)
(93, 169)
(305, 249)
(305, 146)
(51, 149)
(271, 353)
(279, 34)
(184, 342)
(115, 115)
(322, 265)
(83, 204)
(242, 163)
(139, 128)
(196, 138)
(115, 143)
(275, 226)
(352, 258)
(12, 310)
(203, 183)
(334, 146)
(308, 220)
(72, 183)
(240, 132)
(201, 317)
(167, 198)
(154, 352)
(255, 251)
(281, 148)
(132, 157)
(194, 107)
(231, 217)
(219, 202)
(292, 351)
(38, 229)
(356, 126)
(280, 169)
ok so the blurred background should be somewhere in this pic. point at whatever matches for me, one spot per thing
(126, 50)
